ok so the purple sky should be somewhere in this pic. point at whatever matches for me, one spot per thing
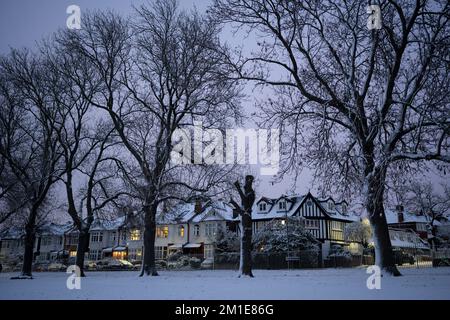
(22, 22)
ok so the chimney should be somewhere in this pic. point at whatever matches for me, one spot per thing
(198, 206)
(399, 208)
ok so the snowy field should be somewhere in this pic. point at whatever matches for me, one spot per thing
(429, 283)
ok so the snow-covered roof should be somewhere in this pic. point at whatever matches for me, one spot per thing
(392, 217)
(12, 233)
(181, 213)
(293, 203)
(402, 238)
(55, 229)
(214, 211)
(106, 224)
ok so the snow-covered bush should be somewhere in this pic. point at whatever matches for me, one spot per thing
(226, 240)
(195, 263)
(290, 236)
(358, 231)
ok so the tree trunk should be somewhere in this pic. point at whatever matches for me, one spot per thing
(246, 243)
(148, 264)
(83, 245)
(247, 200)
(384, 257)
(28, 258)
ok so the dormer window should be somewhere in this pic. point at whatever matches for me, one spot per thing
(331, 205)
(282, 205)
(263, 207)
(344, 208)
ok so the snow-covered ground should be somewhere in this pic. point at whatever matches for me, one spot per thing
(429, 283)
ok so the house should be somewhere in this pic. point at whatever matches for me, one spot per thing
(11, 244)
(191, 228)
(420, 223)
(50, 239)
(325, 218)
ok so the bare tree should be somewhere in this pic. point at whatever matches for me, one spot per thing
(28, 143)
(84, 142)
(351, 102)
(423, 199)
(173, 76)
(245, 211)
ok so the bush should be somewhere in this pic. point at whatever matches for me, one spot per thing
(195, 263)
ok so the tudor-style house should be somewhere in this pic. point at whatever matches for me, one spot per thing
(323, 217)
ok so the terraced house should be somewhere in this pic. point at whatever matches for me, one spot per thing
(190, 228)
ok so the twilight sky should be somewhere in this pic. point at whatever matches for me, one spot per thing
(23, 22)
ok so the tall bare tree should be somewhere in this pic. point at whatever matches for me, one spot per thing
(351, 102)
(28, 144)
(165, 76)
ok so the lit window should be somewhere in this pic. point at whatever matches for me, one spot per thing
(73, 253)
(162, 232)
(283, 222)
(135, 235)
(181, 231)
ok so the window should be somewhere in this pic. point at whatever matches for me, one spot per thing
(344, 208)
(95, 255)
(162, 232)
(336, 226)
(209, 251)
(46, 241)
(96, 237)
(160, 252)
(311, 224)
(330, 205)
(262, 207)
(196, 230)
(210, 229)
(114, 237)
(135, 235)
(282, 205)
(181, 231)
(124, 236)
(309, 203)
(135, 254)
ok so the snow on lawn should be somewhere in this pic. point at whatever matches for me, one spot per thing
(429, 283)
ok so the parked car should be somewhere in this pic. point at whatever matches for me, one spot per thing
(40, 266)
(114, 264)
(56, 267)
(401, 257)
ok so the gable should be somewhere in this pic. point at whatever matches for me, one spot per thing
(310, 208)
